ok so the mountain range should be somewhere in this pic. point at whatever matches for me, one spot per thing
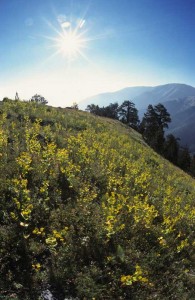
(179, 99)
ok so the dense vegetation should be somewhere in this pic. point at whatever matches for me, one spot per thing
(153, 129)
(126, 112)
(89, 210)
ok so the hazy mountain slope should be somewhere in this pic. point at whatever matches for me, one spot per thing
(183, 126)
(164, 93)
(118, 96)
(183, 120)
(142, 96)
(89, 210)
(180, 104)
(179, 99)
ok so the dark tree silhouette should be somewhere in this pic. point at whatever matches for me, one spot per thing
(16, 96)
(128, 114)
(184, 159)
(38, 99)
(162, 115)
(192, 165)
(75, 106)
(171, 148)
(94, 109)
(110, 111)
(152, 127)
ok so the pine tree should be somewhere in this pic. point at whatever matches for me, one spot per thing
(184, 159)
(192, 166)
(75, 106)
(16, 96)
(94, 109)
(152, 126)
(128, 114)
(171, 148)
(38, 99)
(163, 115)
(111, 111)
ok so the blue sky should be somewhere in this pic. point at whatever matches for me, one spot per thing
(119, 43)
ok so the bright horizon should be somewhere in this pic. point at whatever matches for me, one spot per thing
(70, 50)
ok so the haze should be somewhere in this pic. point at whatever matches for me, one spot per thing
(69, 50)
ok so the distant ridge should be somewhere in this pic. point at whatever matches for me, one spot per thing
(178, 98)
(110, 97)
(142, 95)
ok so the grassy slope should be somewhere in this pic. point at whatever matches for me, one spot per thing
(89, 208)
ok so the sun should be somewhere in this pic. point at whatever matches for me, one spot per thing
(70, 44)
(70, 40)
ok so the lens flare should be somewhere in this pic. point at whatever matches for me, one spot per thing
(70, 39)
(70, 43)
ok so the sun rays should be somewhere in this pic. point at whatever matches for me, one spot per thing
(70, 40)
(70, 43)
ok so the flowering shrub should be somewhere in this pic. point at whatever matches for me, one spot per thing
(89, 209)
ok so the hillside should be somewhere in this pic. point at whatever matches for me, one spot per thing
(184, 125)
(111, 97)
(179, 99)
(142, 96)
(88, 210)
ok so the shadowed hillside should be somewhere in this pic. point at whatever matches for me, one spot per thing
(88, 210)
